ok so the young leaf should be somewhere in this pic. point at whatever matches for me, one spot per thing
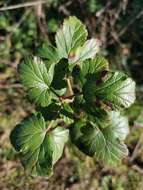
(90, 66)
(35, 76)
(93, 66)
(103, 143)
(106, 148)
(39, 148)
(72, 35)
(87, 51)
(49, 53)
(117, 89)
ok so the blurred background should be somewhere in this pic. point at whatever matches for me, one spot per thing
(24, 25)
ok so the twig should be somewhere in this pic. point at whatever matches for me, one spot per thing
(41, 19)
(19, 23)
(63, 8)
(72, 96)
(8, 86)
(22, 5)
(130, 23)
(127, 26)
(135, 152)
(115, 37)
(101, 11)
(137, 168)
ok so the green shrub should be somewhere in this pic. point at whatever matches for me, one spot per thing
(78, 96)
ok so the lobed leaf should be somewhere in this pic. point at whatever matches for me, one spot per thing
(72, 35)
(94, 66)
(104, 143)
(117, 89)
(90, 67)
(100, 133)
(118, 125)
(35, 76)
(49, 53)
(39, 148)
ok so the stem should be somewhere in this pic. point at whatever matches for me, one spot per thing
(22, 5)
(135, 152)
(50, 125)
(53, 124)
(72, 96)
(54, 92)
(8, 86)
(69, 86)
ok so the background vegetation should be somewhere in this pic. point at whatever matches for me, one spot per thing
(119, 24)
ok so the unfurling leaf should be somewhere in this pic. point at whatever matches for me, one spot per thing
(90, 67)
(87, 51)
(39, 148)
(94, 66)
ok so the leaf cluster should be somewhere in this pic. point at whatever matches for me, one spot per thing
(76, 95)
